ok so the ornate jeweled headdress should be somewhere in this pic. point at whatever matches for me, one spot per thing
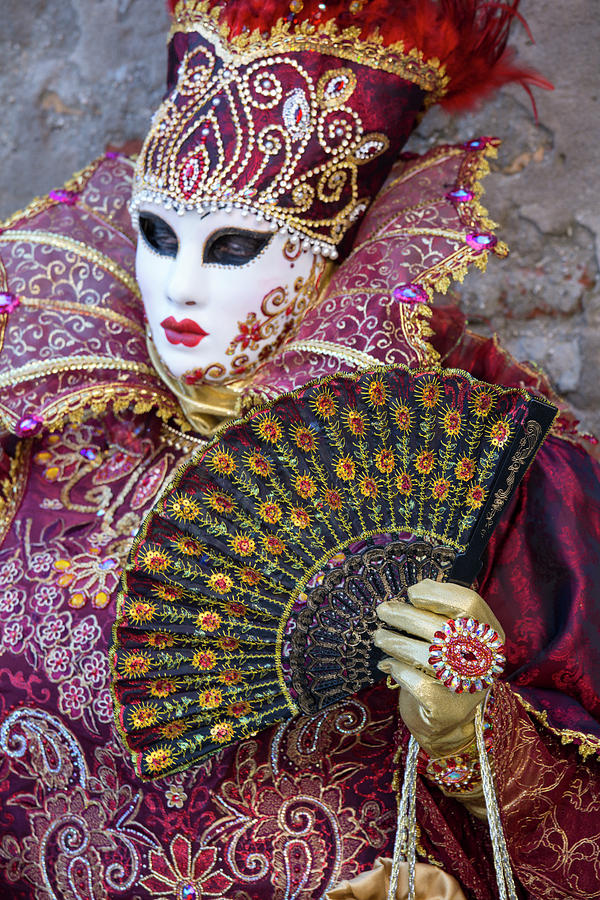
(297, 110)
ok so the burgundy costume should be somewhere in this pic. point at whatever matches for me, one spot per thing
(85, 450)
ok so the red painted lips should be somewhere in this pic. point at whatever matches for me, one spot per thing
(185, 332)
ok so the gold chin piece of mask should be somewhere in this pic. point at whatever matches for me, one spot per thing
(205, 406)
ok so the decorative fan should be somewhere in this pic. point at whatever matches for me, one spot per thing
(251, 590)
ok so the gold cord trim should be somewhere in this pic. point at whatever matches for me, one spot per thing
(337, 351)
(62, 242)
(74, 408)
(36, 369)
(173, 434)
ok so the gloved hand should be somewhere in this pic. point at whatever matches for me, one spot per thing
(440, 720)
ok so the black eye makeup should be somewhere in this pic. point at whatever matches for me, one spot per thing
(234, 246)
(159, 236)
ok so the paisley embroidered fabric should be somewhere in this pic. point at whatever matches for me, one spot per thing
(297, 809)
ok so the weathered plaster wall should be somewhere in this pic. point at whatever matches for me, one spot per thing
(78, 74)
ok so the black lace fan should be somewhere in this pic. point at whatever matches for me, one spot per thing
(251, 590)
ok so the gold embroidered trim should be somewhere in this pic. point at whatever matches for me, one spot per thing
(13, 486)
(337, 351)
(97, 312)
(75, 407)
(37, 369)
(455, 266)
(588, 744)
(70, 245)
(412, 65)
(416, 330)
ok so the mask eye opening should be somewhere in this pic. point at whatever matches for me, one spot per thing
(234, 246)
(158, 235)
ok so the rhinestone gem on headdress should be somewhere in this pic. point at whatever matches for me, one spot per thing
(296, 114)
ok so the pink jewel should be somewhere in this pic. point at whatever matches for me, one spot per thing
(481, 240)
(468, 655)
(410, 293)
(29, 426)
(8, 302)
(69, 198)
(460, 195)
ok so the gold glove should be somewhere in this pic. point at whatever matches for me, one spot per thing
(440, 720)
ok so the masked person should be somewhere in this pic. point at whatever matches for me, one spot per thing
(273, 155)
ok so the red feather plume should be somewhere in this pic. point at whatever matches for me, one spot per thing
(469, 37)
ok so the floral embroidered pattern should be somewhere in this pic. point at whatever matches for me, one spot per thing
(55, 579)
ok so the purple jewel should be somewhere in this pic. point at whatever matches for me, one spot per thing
(29, 426)
(109, 563)
(8, 302)
(69, 198)
(410, 293)
(188, 892)
(481, 240)
(460, 195)
(110, 154)
(88, 453)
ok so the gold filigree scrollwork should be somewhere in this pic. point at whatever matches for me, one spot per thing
(527, 447)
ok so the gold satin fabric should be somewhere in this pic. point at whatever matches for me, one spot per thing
(206, 407)
(430, 884)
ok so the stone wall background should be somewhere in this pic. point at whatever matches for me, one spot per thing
(79, 74)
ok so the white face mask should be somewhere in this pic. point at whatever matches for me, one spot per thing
(221, 291)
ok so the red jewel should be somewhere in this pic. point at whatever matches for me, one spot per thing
(468, 656)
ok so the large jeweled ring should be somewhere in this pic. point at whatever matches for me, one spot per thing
(468, 656)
